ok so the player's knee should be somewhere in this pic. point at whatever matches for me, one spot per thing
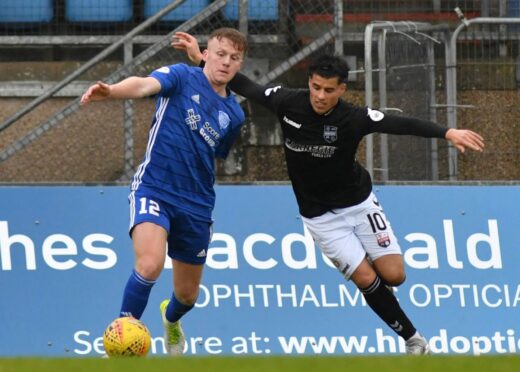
(186, 297)
(364, 275)
(395, 279)
(148, 268)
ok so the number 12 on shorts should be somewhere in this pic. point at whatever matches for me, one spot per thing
(149, 206)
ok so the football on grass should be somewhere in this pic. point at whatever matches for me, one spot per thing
(126, 336)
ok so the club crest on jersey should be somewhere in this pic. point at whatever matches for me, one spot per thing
(383, 240)
(223, 120)
(192, 119)
(330, 133)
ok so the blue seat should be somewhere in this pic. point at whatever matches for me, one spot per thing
(513, 8)
(513, 11)
(26, 11)
(182, 13)
(257, 10)
(98, 10)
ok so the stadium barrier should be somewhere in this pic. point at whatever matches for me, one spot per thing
(65, 255)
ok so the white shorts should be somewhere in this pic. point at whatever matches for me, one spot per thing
(347, 235)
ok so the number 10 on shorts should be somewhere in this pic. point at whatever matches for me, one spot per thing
(377, 222)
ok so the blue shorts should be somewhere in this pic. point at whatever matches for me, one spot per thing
(188, 235)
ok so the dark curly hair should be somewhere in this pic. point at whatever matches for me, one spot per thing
(328, 66)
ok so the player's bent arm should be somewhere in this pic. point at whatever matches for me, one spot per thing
(244, 86)
(135, 87)
(240, 84)
(188, 44)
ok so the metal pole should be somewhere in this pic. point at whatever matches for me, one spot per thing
(242, 16)
(434, 152)
(338, 23)
(369, 151)
(484, 8)
(451, 98)
(128, 122)
(502, 11)
(383, 101)
(436, 6)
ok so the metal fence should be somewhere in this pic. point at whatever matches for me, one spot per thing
(30, 138)
(483, 78)
(400, 79)
(82, 41)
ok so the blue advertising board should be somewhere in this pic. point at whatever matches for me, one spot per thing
(65, 256)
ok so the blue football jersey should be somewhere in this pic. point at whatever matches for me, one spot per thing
(191, 126)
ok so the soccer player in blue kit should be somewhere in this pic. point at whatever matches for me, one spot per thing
(172, 196)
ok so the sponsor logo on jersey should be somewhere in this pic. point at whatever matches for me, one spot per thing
(192, 119)
(207, 126)
(318, 151)
(196, 98)
(209, 134)
(223, 120)
(291, 123)
(330, 133)
(375, 115)
(164, 70)
(207, 137)
(268, 91)
(383, 240)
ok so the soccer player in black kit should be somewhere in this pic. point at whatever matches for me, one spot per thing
(334, 192)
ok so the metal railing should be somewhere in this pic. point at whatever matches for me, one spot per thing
(451, 77)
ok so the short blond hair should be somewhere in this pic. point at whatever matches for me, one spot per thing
(237, 38)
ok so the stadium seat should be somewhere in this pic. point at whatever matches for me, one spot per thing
(182, 13)
(258, 10)
(26, 11)
(98, 10)
(513, 11)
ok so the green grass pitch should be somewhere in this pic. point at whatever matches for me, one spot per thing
(434, 363)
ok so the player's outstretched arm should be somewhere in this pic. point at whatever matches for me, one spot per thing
(132, 87)
(188, 44)
(465, 138)
(462, 139)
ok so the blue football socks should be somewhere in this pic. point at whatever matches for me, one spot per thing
(135, 296)
(176, 309)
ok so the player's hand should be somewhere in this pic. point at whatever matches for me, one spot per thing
(96, 92)
(464, 138)
(187, 43)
